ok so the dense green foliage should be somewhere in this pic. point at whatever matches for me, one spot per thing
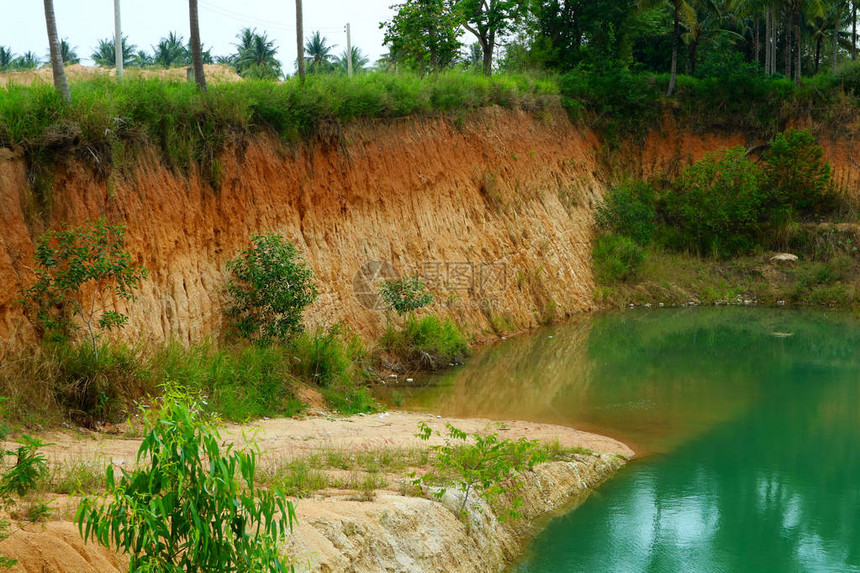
(426, 342)
(190, 126)
(723, 205)
(422, 36)
(79, 268)
(270, 287)
(797, 176)
(715, 205)
(629, 210)
(617, 258)
(240, 383)
(713, 224)
(189, 506)
(405, 294)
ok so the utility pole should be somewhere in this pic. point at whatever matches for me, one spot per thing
(117, 39)
(348, 51)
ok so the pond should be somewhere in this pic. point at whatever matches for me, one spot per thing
(746, 424)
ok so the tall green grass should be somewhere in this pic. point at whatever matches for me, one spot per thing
(240, 382)
(190, 126)
(427, 343)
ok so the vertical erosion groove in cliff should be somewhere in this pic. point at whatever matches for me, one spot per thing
(505, 188)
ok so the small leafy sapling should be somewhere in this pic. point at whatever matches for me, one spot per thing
(405, 294)
(80, 268)
(190, 505)
(30, 466)
(23, 477)
(270, 287)
(482, 463)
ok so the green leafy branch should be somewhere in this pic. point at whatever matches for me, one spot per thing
(482, 463)
(79, 268)
(194, 507)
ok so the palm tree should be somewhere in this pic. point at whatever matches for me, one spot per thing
(7, 57)
(105, 54)
(171, 51)
(704, 24)
(60, 81)
(255, 55)
(27, 61)
(682, 12)
(300, 38)
(70, 54)
(359, 61)
(797, 10)
(142, 59)
(208, 58)
(196, 46)
(318, 55)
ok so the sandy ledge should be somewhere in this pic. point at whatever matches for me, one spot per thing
(393, 532)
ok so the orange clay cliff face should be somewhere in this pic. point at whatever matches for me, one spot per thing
(494, 212)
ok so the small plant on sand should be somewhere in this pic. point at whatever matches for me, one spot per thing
(483, 464)
(189, 506)
(271, 286)
(80, 269)
(405, 295)
(30, 467)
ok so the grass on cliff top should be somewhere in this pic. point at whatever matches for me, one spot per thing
(174, 114)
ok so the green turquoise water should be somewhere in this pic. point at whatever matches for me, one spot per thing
(746, 424)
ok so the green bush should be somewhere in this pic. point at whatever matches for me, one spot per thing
(270, 288)
(716, 204)
(189, 506)
(848, 76)
(334, 361)
(482, 463)
(629, 210)
(29, 468)
(81, 269)
(796, 175)
(616, 258)
(427, 342)
(406, 294)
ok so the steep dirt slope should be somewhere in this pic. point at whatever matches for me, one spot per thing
(499, 194)
(504, 193)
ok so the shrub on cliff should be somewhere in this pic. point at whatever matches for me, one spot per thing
(271, 286)
(715, 206)
(405, 294)
(796, 175)
(427, 342)
(79, 270)
(616, 258)
(629, 210)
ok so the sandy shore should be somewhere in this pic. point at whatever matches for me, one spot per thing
(336, 532)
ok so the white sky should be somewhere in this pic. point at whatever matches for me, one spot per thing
(83, 22)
